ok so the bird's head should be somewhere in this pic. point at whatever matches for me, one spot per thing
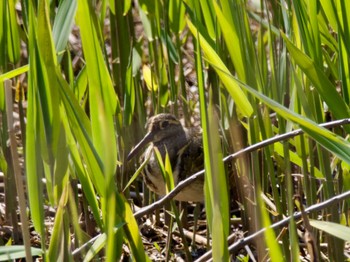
(159, 127)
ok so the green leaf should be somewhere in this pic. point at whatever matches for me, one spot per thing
(330, 12)
(79, 167)
(149, 78)
(335, 229)
(17, 252)
(3, 36)
(129, 97)
(98, 244)
(323, 85)
(295, 158)
(137, 173)
(63, 23)
(274, 248)
(101, 86)
(336, 144)
(166, 170)
(216, 196)
(176, 16)
(15, 72)
(34, 134)
(13, 40)
(232, 42)
(81, 128)
(102, 98)
(232, 87)
(131, 229)
(59, 231)
(209, 17)
(48, 91)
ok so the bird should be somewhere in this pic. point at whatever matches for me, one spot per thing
(185, 150)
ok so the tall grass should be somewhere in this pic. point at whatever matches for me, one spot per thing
(261, 70)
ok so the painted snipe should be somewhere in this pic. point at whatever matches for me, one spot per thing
(185, 150)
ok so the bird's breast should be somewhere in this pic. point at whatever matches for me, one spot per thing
(184, 161)
(152, 174)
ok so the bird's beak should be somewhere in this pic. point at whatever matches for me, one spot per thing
(147, 139)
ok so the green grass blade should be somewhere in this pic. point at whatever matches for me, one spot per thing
(96, 247)
(100, 83)
(232, 87)
(336, 144)
(136, 174)
(131, 229)
(209, 17)
(331, 14)
(59, 242)
(109, 168)
(14, 73)
(323, 85)
(274, 248)
(80, 170)
(101, 93)
(216, 196)
(13, 40)
(176, 14)
(122, 41)
(33, 165)
(344, 50)
(55, 165)
(335, 229)
(296, 159)
(3, 25)
(15, 252)
(129, 97)
(63, 24)
(233, 43)
(81, 84)
(34, 134)
(81, 129)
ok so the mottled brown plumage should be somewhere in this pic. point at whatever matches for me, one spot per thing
(185, 150)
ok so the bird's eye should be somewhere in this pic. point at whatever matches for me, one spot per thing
(164, 124)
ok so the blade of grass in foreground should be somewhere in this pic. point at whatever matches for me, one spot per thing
(101, 92)
(216, 197)
(59, 241)
(100, 83)
(48, 102)
(80, 129)
(335, 229)
(270, 236)
(16, 252)
(213, 58)
(232, 42)
(63, 24)
(77, 131)
(13, 37)
(13, 73)
(35, 134)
